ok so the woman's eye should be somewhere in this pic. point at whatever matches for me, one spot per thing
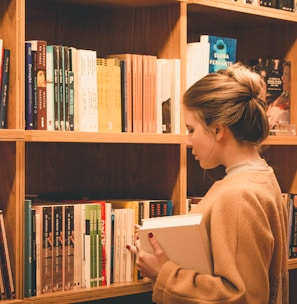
(190, 131)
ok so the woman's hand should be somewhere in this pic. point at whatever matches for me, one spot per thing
(149, 264)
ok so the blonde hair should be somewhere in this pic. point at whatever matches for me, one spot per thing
(231, 97)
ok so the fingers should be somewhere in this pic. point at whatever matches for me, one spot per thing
(132, 249)
(137, 226)
(154, 243)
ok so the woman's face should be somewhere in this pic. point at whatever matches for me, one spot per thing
(202, 141)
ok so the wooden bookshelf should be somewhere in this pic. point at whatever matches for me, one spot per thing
(41, 161)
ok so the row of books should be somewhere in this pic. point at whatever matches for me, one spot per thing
(82, 243)
(291, 200)
(213, 53)
(287, 5)
(75, 90)
(4, 83)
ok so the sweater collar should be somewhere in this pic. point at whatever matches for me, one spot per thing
(247, 165)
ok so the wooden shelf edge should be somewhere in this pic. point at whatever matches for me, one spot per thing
(124, 3)
(11, 134)
(281, 140)
(91, 294)
(256, 10)
(94, 137)
(292, 264)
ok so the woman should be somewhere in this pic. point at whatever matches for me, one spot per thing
(244, 213)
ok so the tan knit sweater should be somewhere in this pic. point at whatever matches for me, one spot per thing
(246, 220)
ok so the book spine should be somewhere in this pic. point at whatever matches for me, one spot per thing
(69, 247)
(71, 100)
(5, 261)
(28, 86)
(98, 244)
(1, 61)
(66, 67)
(34, 252)
(123, 65)
(73, 69)
(2, 288)
(102, 265)
(28, 290)
(58, 248)
(87, 91)
(56, 62)
(41, 85)
(101, 92)
(131, 271)
(117, 219)
(44, 242)
(86, 272)
(4, 89)
(50, 87)
(94, 244)
(78, 243)
(62, 87)
(34, 89)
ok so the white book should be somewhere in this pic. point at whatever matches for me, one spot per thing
(73, 68)
(163, 96)
(117, 237)
(50, 87)
(196, 62)
(108, 242)
(87, 91)
(129, 240)
(79, 227)
(175, 95)
(168, 96)
(183, 238)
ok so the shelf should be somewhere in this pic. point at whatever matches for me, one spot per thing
(242, 8)
(281, 140)
(292, 264)
(11, 135)
(91, 294)
(127, 3)
(92, 137)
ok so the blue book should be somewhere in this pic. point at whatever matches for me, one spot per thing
(4, 89)
(222, 52)
(28, 86)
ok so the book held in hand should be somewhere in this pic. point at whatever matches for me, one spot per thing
(183, 238)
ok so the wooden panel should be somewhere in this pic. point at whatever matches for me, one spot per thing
(282, 159)
(105, 170)
(12, 32)
(108, 31)
(284, 162)
(8, 190)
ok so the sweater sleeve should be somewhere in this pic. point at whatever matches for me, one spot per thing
(242, 246)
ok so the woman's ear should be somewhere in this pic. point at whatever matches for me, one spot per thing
(219, 132)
